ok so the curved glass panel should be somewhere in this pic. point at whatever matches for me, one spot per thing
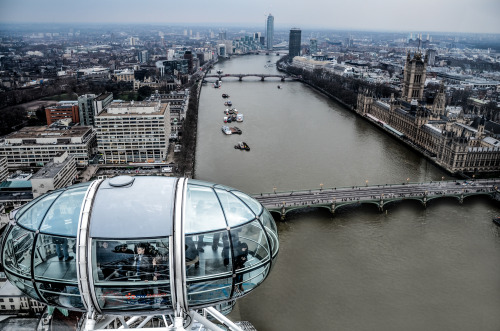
(24, 285)
(208, 291)
(248, 280)
(251, 247)
(62, 218)
(200, 182)
(130, 260)
(224, 187)
(55, 258)
(61, 295)
(236, 211)
(132, 274)
(272, 232)
(143, 296)
(251, 202)
(214, 259)
(17, 251)
(34, 215)
(203, 210)
(25, 207)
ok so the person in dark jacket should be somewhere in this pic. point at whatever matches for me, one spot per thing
(240, 258)
(143, 264)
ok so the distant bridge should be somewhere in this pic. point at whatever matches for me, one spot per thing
(240, 76)
(379, 195)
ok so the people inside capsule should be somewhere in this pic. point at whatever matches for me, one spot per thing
(241, 254)
(192, 255)
(61, 243)
(147, 263)
(143, 264)
(134, 273)
(104, 257)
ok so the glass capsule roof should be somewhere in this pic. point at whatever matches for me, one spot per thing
(222, 240)
(141, 207)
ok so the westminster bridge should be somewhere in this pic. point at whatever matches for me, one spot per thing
(379, 195)
(241, 76)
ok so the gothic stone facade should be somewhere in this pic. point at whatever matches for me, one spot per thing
(453, 145)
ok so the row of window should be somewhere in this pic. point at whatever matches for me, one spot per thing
(12, 307)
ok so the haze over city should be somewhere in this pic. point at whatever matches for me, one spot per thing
(156, 156)
(446, 15)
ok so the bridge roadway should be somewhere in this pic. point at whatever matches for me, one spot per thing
(240, 76)
(380, 195)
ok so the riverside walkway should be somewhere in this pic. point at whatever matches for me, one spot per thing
(379, 195)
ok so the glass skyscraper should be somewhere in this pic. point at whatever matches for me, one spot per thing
(269, 32)
(294, 43)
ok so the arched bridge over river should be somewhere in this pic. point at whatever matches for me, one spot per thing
(241, 76)
(379, 195)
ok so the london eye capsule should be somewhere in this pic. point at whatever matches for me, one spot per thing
(140, 246)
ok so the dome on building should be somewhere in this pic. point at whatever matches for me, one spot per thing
(139, 245)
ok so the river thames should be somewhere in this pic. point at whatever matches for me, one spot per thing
(410, 268)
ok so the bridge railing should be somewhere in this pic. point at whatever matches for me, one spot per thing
(342, 188)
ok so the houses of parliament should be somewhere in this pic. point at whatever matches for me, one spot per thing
(457, 145)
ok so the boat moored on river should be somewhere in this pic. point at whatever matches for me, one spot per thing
(226, 130)
(242, 146)
(239, 118)
(235, 130)
(231, 111)
(224, 95)
(228, 103)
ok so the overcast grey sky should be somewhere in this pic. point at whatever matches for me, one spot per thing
(397, 15)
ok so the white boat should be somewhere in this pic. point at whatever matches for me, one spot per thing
(239, 118)
(226, 129)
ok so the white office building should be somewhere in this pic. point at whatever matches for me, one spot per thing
(134, 132)
(58, 173)
(35, 146)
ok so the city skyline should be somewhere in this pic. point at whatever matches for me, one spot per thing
(388, 15)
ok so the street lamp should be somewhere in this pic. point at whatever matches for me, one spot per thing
(321, 187)
(366, 182)
(274, 188)
(407, 180)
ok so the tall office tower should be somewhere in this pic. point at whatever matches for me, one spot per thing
(132, 41)
(143, 56)
(431, 57)
(294, 43)
(86, 109)
(89, 105)
(222, 35)
(270, 32)
(414, 77)
(313, 46)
